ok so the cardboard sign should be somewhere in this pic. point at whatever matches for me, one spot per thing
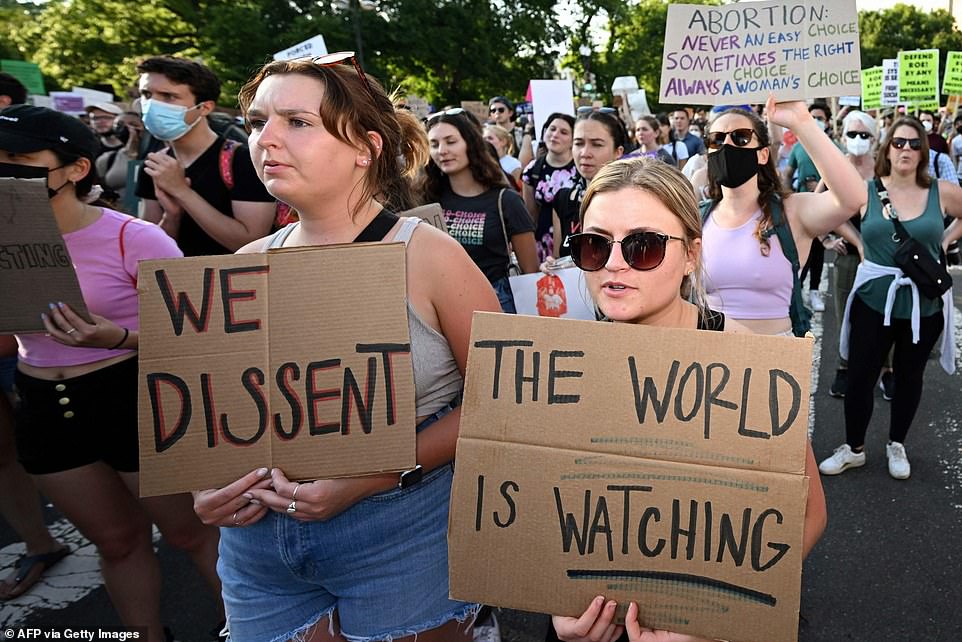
(432, 214)
(478, 108)
(952, 81)
(919, 76)
(35, 266)
(741, 53)
(270, 360)
(311, 47)
(657, 465)
(871, 88)
(560, 295)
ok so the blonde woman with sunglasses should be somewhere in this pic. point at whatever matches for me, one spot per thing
(640, 251)
(885, 308)
(748, 275)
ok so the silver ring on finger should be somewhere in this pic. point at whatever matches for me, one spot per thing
(71, 330)
(292, 507)
(234, 519)
(294, 494)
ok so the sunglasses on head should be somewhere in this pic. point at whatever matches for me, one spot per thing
(331, 59)
(448, 112)
(604, 110)
(862, 135)
(641, 250)
(740, 137)
(914, 144)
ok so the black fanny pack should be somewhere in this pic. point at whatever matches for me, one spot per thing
(929, 275)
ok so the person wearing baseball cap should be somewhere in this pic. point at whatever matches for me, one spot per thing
(76, 427)
(102, 117)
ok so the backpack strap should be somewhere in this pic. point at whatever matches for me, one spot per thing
(123, 252)
(800, 315)
(226, 162)
(705, 208)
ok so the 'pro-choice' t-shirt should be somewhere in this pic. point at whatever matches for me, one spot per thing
(475, 223)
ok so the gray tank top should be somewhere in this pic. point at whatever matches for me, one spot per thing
(437, 380)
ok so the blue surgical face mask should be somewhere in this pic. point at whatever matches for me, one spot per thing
(166, 121)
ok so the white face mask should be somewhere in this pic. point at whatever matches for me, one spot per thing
(927, 125)
(858, 146)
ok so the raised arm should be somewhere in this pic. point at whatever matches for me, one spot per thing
(821, 213)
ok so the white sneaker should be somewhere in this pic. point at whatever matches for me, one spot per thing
(843, 458)
(817, 304)
(488, 631)
(899, 467)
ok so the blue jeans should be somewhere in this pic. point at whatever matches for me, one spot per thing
(502, 287)
(382, 564)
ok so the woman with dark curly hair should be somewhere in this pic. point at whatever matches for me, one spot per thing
(749, 275)
(481, 211)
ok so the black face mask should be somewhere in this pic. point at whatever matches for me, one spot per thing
(11, 170)
(733, 166)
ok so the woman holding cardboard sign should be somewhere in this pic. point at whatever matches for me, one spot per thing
(77, 422)
(640, 249)
(752, 227)
(362, 558)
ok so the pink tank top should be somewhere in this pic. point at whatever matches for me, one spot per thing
(739, 280)
(108, 282)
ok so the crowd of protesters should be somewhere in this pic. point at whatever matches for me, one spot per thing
(753, 195)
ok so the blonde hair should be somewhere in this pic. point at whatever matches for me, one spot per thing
(503, 135)
(673, 190)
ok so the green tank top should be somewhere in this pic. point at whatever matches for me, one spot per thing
(879, 248)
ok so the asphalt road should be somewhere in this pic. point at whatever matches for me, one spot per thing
(889, 567)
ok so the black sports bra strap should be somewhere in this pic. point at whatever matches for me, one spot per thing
(378, 228)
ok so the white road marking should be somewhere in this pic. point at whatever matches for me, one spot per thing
(70, 580)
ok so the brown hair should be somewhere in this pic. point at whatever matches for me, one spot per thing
(769, 185)
(883, 166)
(350, 108)
(669, 186)
(484, 166)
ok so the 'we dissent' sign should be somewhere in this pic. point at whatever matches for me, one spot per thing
(298, 359)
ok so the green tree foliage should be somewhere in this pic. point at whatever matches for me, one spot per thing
(904, 27)
(447, 51)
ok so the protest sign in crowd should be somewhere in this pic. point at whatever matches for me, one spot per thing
(309, 348)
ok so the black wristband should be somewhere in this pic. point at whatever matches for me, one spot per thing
(122, 341)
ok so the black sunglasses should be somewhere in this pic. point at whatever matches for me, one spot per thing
(641, 250)
(740, 137)
(914, 143)
(331, 59)
(862, 135)
(498, 110)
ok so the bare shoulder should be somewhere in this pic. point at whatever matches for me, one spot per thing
(429, 245)
(254, 247)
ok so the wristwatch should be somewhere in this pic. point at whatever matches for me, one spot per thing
(410, 477)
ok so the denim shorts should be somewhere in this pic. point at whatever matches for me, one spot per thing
(382, 564)
(502, 287)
